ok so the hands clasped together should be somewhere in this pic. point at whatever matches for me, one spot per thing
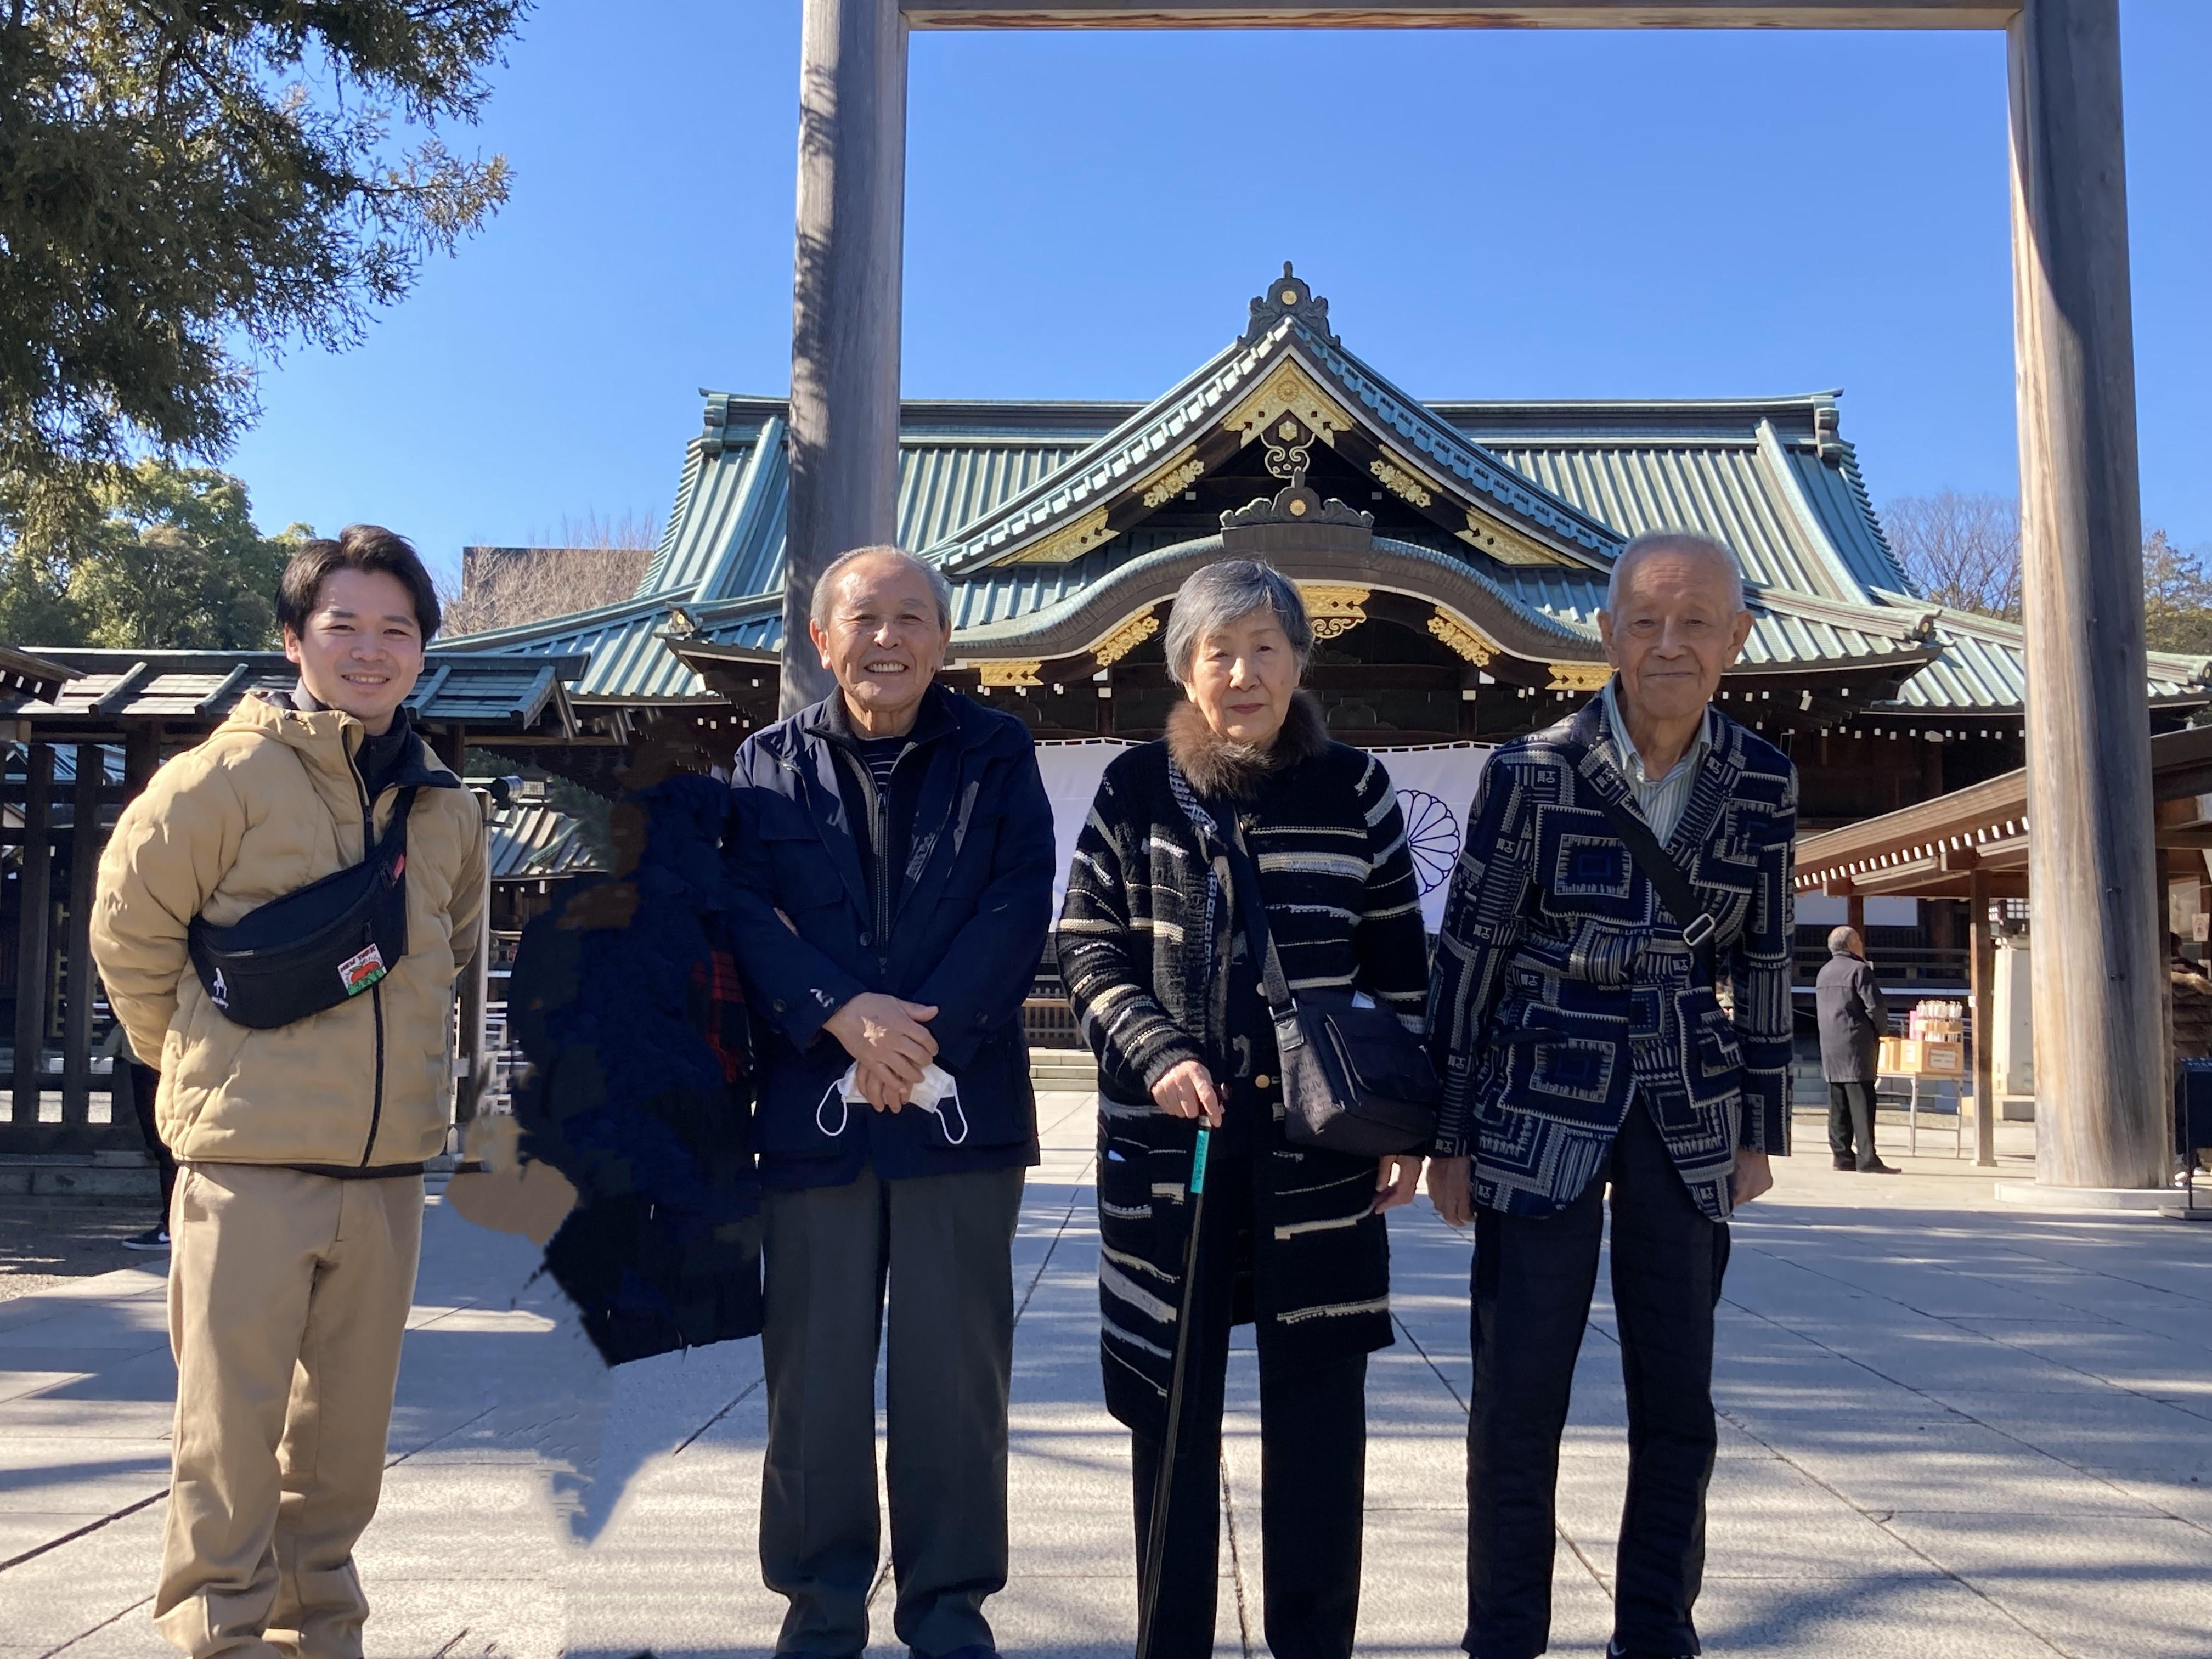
(889, 1040)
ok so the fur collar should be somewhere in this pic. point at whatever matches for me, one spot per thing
(1222, 770)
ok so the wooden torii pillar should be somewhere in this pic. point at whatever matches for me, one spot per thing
(845, 306)
(2099, 1061)
(2098, 925)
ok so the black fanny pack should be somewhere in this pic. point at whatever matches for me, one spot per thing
(316, 946)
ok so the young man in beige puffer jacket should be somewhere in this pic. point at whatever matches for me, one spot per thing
(298, 1218)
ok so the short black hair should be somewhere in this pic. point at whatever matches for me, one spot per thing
(358, 547)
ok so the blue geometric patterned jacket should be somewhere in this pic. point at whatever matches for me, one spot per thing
(1561, 983)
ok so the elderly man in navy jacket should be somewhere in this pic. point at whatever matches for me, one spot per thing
(891, 850)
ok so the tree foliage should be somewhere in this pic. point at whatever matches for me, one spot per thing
(1964, 551)
(160, 557)
(2177, 596)
(183, 186)
(594, 561)
(1960, 550)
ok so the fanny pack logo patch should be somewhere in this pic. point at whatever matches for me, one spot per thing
(358, 973)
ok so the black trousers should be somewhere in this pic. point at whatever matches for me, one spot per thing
(1850, 1117)
(1313, 1470)
(1533, 1280)
(145, 1083)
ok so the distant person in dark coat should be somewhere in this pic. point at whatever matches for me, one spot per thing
(1852, 1017)
(891, 856)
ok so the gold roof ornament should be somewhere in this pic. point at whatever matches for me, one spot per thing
(1578, 676)
(1069, 543)
(1400, 479)
(1505, 544)
(1289, 391)
(1475, 648)
(1125, 639)
(1334, 608)
(1171, 481)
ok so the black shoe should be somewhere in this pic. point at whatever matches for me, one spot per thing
(1845, 1161)
(1878, 1168)
(153, 1238)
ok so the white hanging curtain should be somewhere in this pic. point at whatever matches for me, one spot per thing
(1436, 789)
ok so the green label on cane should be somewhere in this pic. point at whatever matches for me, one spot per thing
(1198, 1163)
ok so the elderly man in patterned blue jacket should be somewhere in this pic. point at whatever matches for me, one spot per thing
(1586, 1042)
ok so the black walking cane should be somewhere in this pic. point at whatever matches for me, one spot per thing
(1156, 1535)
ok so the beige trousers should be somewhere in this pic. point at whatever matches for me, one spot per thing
(287, 1298)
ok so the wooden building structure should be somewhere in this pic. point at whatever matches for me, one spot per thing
(88, 729)
(1975, 844)
(2089, 763)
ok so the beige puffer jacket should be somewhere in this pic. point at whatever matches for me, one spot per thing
(268, 803)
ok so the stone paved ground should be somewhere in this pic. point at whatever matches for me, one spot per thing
(1952, 1429)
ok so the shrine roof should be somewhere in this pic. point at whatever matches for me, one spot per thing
(1028, 504)
(199, 688)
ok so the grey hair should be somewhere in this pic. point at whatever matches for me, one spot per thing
(1842, 939)
(1658, 541)
(825, 584)
(1220, 593)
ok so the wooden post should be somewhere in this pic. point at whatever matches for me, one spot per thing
(844, 307)
(85, 840)
(1855, 915)
(2098, 961)
(449, 744)
(142, 757)
(34, 897)
(1982, 970)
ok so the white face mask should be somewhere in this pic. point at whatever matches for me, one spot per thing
(938, 1094)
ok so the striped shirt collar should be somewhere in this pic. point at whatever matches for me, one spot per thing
(1660, 800)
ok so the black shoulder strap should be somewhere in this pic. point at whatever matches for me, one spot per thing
(1254, 909)
(395, 833)
(1666, 876)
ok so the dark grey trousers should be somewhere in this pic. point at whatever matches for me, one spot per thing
(944, 1244)
(1850, 1117)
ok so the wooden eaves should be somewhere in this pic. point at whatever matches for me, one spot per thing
(1932, 850)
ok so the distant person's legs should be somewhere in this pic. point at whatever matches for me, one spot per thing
(145, 1084)
(1841, 1127)
(1866, 1161)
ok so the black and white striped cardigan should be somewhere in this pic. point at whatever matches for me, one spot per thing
(1144, 941)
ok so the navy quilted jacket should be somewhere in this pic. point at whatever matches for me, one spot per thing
(961, 926)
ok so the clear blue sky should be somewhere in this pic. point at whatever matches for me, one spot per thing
(1489, 214)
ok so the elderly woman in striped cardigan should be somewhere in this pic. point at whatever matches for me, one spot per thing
(1153, 950)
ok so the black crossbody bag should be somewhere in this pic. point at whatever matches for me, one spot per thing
(316, 946)
(1355, 1080)
(1666, 878)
